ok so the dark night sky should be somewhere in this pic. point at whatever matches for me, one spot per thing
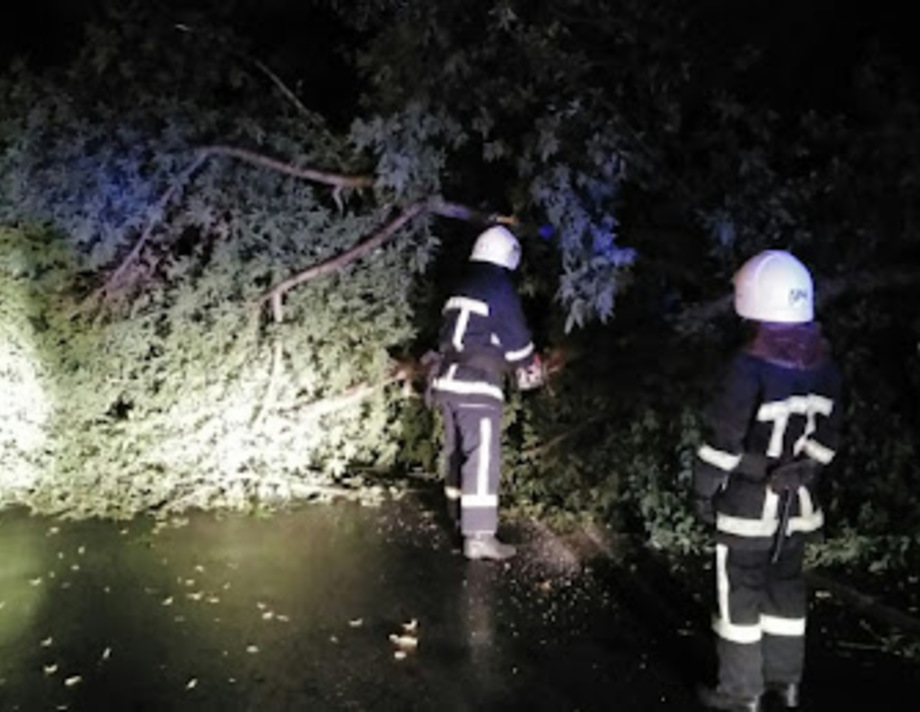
(805, 31)
(810, 45)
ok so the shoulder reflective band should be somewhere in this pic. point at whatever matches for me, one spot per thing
(465, 306)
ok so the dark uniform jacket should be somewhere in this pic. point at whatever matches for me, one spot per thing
(779, 404)
(483, 337)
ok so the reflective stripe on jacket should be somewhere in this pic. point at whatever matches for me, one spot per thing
(484, 335)
(766, 414)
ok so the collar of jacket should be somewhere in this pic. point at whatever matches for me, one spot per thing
(799, 346)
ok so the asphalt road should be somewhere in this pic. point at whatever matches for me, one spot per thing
(334, 607)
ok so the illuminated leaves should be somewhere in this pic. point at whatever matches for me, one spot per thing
(155, 402)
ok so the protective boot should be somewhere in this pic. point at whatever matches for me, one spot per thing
(713, 698)
(486, 546)
(786, 692)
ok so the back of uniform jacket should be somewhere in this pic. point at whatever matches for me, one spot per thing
(778, 403)
(484, 335)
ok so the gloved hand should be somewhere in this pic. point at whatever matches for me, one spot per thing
(704, 509)
(533, 376)
(791, 476)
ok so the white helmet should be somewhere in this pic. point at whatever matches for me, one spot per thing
(498, 246)
(774, 286)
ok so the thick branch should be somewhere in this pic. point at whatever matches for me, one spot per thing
(339, 261)
(446, 209)
(336, 179)
(339, 181)
(276, 294)
(432, 205)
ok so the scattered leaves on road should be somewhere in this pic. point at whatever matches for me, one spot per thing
(407, 641)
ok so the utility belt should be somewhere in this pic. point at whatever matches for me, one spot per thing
(756, 469)
(490, 363)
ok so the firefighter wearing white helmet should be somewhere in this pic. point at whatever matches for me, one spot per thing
(484, 337)
(774, 287)
(772, 426)
(498, 246)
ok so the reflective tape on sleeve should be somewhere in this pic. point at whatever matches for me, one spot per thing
(818, 452)
(520, 353)
(718, 458)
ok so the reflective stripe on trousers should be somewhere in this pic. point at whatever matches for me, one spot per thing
(472, 454)
(761, 617)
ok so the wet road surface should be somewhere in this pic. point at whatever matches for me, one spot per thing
(329, 607)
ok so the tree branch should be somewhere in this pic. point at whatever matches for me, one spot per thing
(457, 211)
(275, 295)
(339, 261)
(335, 179)
(154, 217)
(262, 67)
(432, 205)
(282, 87)
(339, 181)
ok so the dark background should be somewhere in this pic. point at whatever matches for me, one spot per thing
(809, 45)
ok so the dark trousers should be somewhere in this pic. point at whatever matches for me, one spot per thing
(472, 463)
(761, 618)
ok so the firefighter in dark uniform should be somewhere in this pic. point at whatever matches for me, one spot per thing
(772, 427)
(484, 336)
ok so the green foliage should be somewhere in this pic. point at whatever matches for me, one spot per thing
(167, 397)
(27, 406)
(520, 101)
(410, 148)
(589, 115)
(154, 409)
(603, 443)
(872, 486)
